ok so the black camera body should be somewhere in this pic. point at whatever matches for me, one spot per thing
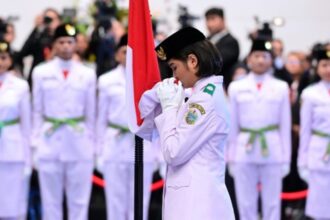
(3, 28)
(185, 18)
(47, 20)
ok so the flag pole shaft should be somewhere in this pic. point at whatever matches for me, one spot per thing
(138, 179)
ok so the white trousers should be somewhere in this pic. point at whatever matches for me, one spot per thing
(13, 190)
(73, 178)
(318, 198)
(247, 176)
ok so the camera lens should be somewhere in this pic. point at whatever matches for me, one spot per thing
(47, 20)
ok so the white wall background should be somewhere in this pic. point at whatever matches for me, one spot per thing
(307, 21)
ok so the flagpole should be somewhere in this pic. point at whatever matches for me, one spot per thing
(138, 179)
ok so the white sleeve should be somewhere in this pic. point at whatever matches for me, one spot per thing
(305, 129)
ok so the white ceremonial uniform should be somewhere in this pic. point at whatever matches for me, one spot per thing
(15, 156)
(64, 117)
(193, 140)
(259, 142)
(116, 147)
(314, 149)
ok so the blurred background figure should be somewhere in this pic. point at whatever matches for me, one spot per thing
(15, 128)
(103, 39)
(8, 34)
(220, 36)
(240, 71)
(314, 148)
(295, 67)
(63, 129)
(259, 151)
(278, 53)
(39, 42)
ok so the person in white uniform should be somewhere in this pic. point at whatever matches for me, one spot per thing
(64, 119)
(314, 148)
(260, 136)
(193, 133)
(116, 144)
(15, 125)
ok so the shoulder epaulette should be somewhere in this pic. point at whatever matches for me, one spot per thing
(209, 88)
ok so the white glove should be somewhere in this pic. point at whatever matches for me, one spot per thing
(231, 169)
(170, 94)
(27, 171)
(303, 173)
(99, 164)
(285, 170)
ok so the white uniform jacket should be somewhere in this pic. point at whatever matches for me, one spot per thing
(251, 108)
(15, 104)
(315, 116)
(60, 98)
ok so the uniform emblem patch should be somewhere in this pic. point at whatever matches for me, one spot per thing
(191, 116)
(197, 106)
(195, 110)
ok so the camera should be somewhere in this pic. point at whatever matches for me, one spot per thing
(3, 28)
(185, 18)
(47, 20)
(264, 29)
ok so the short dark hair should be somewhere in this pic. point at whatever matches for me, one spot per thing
(209, 58)
(215, 11)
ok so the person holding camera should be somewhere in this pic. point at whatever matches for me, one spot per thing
(39, 43)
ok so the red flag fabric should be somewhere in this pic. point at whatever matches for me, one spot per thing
(142, 70)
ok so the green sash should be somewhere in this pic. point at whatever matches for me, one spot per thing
(324, 135)
(123, 130)
(73, 122)
(8, 123)
(261, 133)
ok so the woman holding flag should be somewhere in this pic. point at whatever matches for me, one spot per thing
(193, 133)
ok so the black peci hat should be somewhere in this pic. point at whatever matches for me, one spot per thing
(178, 41)
(261, 45)
(65, 30)
(322, 54)
(122, 42)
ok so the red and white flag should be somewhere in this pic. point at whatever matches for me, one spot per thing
(142, 71)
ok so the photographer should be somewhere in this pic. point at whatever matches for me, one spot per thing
(103, 40)
(38, 44)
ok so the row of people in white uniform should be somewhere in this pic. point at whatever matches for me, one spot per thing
(259, 143)
(64, 104)
(67, 136)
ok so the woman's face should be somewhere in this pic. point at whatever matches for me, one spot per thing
(185, 71)
(294, 65)
(5, 62)
(323, 70)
